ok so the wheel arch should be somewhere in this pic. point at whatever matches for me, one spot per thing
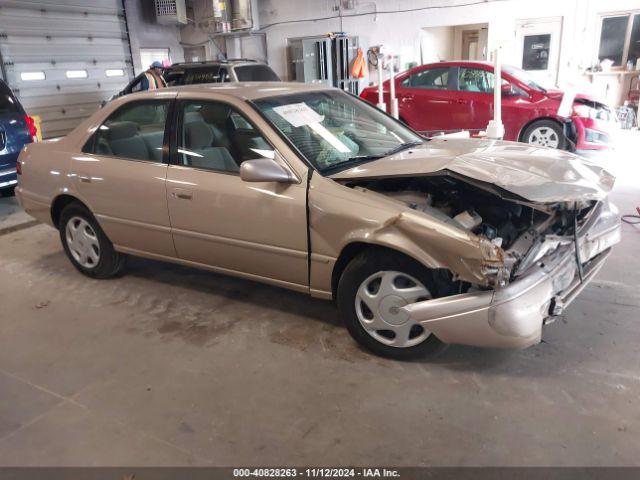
(59, 203)
(355, 248)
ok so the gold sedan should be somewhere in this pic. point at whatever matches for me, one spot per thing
(420, 242)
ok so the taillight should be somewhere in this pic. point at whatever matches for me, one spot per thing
(19, 167)
(31, 125)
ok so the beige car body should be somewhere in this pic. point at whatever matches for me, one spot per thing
(270, 231)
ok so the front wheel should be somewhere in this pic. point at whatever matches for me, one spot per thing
(86, 245)
(371, 293)
(545, 133)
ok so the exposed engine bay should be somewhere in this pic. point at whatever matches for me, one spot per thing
(524, 231)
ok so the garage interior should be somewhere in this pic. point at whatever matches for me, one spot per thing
(172, 366)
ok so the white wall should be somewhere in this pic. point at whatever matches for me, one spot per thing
(402, 31)
(437, 44)
(144, 32)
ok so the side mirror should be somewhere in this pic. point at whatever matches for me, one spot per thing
(265, 170)
(508, 90)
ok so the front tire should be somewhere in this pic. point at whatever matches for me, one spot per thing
(371, 291)
(545, 133)
(86, 245)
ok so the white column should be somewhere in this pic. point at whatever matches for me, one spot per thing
(381, 105)
(393, 101)
(495, 129)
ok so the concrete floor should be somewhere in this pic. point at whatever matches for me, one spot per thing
(173, 366)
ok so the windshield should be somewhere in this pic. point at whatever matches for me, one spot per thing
(334, 130)
(256, 73)
(523, 77)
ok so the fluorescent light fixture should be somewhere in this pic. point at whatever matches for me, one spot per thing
(114, 72)
(76, 74)
(29, 76)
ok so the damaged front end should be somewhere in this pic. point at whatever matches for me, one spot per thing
(527, 261)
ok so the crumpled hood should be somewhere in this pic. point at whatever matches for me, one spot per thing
(536, 174)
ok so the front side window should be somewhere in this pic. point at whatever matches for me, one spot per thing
(214, 136)
(475, 80)
(334, 130)
(134, 131)
(210, 74)
(431, 79)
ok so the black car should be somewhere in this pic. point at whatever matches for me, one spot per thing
(233, 70)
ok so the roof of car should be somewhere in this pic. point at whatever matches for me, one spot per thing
(246, 90)
(208, 63)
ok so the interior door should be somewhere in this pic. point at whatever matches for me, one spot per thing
(257, 230)
(538, 48)
(425, 99)
(121, 176)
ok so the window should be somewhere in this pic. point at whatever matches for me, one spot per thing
(620, 39)
(150, 55)
(256, 73)
(114, 72)
(29, 76)
(475, 80)
(432, 79)
(76, 74)
(213, 136)
(333, 130)
(535, 55)
(134, 131)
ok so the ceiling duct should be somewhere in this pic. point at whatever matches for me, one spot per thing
(226, 16)
(241, 14)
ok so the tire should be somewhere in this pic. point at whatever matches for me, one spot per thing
(363, 272)
(92, 253)
(545, 133)
(8, 192)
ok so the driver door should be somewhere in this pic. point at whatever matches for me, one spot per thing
(256, 230)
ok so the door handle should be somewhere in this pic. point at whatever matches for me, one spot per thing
(406, 98)
(85, 179)
(460, 100)
(182, 194)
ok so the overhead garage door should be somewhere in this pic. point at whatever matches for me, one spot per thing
(64, 57)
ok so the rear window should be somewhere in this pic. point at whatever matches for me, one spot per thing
(256, 73)
(7, 102)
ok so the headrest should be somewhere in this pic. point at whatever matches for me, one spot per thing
(215, 113)
(122, 130)
(199, 135)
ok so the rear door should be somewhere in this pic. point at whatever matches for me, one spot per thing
(121, 175)
(14, 132)
(425, 99)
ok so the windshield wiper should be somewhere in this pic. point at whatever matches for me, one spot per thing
(401, 147)
(357, 160)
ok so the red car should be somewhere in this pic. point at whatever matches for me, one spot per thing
(454, 96)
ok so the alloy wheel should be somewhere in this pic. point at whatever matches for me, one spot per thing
(544, 137)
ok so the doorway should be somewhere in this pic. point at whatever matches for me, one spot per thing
(538, 48)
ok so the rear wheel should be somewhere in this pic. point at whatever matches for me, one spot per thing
(545, 133)
(86, 245)
(371, 293)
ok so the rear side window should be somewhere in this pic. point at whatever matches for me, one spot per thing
(432, 79)
(256, 73)
(7, 102)
(134, 131)
(212, 74)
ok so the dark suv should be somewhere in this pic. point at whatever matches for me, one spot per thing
(16, 130)
(233, 70)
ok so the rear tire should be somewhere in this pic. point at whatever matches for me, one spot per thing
(8, 192)
(545, 133)
(86, 245)
(373, 317)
